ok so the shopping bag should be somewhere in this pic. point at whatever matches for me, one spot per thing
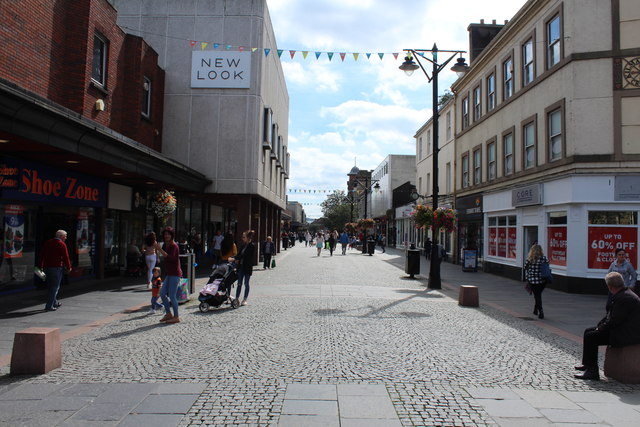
(183, 291)
(273, 263)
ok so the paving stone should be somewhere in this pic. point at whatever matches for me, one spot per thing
(546, 399)
(155, 420)
(311, 391)
(166, 404)
(308, 421)
(363, 407)
(310, 407)
(509, 408)
(102, 412)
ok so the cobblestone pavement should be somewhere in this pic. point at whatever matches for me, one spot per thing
(346, 320)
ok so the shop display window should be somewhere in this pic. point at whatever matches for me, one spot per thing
(17, 254)
(557, 238)
(609, 231)
(502, 237)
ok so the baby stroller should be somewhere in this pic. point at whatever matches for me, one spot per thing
(135, 265)
(217, 291)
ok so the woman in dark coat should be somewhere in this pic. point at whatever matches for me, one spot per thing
(246, 259)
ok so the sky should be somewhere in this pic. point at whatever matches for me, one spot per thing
(346, 112)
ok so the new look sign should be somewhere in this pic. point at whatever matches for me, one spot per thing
(213, 69)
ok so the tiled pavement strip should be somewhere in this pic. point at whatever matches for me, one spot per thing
(345, 341)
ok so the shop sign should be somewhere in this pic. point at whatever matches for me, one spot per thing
(8, 175)
(557, 245)
(604, 241)
(527, 196)
(626, 188)
(469, 205)
(13, 240)
(44, 184)
(215, 69)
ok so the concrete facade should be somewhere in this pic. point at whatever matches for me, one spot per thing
(567, 137)
(392, 172)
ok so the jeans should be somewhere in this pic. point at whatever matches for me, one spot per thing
(155, 304)
(54, 278)
(170, 287)
(151, 261)
(243, 277)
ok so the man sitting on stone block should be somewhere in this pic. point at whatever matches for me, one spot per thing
(619, 328)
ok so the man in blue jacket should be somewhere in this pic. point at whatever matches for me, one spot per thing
(344, 241)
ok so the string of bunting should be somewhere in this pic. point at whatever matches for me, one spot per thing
(299, 190)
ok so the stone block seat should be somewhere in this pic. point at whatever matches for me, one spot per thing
(623, 364)
(468, 296)
(36, 351)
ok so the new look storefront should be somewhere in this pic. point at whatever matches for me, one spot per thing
(579, 221)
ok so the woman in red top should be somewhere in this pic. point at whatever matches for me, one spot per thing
(171, 253)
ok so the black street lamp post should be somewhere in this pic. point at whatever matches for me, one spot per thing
(409, 66)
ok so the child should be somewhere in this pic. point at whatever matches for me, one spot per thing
(156, 284)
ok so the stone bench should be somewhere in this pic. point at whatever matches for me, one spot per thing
(36, 351)
(623, 364)
(468, 296)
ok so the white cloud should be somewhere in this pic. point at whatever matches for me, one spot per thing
(314, 76)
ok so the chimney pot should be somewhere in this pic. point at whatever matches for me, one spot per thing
(506, 21)
(493, 22)
(482, 21)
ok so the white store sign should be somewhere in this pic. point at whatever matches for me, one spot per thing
(213, 69)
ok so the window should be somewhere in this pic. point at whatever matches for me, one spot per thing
(420, 148)
(502, 236)
(613, 218)
(429, 141)
(477, 166)
(529, 145)
(528, 72)
(465, 113)
(146, 97)
(491, 92)
(448, 178)
(420, 189)
(99, 65)
(554, 124)
(507, 149)
(465, 171)
(477, 103)
(553, 41)
(449, 125)
(426, 190)
(491, 161)
(507, 72)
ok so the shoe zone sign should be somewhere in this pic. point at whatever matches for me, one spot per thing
(214, 69)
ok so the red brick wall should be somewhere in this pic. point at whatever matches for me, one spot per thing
(46, 47)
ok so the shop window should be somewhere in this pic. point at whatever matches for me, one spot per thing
(613, 218)
(557, 238)
(609, 231)
(491, 92)
(502, 237)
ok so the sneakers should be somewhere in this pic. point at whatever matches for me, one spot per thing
(175, 319)
(152, 311)
(244, 302)
(166, 317)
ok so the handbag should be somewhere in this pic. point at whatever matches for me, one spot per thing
(545, 272)
(527, 287)
(273, 263)
(41, 274)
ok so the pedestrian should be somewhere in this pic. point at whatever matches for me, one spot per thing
(533, 276)
(307, 238)
(156, 285)
(623, 266)
(228, 247)
(620, 327)
(169, 291)
(246, 259)
(319, 242)
(383, 243)
(333, 238)
(55, 262)
(427, 248)
(217, 245)
(268, 251)
(285, 240)
(150, 255)
(344, 241)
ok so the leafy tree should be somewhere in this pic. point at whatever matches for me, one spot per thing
(444, 98)
(337, 210)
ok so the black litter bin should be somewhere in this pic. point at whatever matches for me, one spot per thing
(412, 262)
(371, 247)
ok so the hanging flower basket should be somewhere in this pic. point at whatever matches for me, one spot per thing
(422, 216)
(444, 218)
(366, 223)
(163, 203)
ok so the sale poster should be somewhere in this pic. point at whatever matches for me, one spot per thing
(13, 240)
(557, 245)
(493, 235)
(82, 233)
(502, 242)
(511, 242)
(604, 241)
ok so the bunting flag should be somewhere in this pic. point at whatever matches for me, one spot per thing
(292, 53)
(203, 45)
(306, 190)
(305, 53)
(342, 55)
(192, 43)
(318, 54)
